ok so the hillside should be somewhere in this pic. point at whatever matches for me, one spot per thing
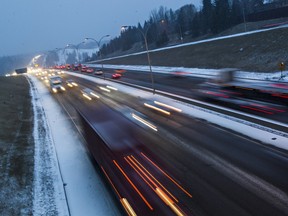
(260, 51)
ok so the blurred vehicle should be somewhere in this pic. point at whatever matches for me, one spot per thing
(76, 67)
(120, 70)
(84, 68)
(89, 70)
(98, 72)
(116, 76)
(89, 93)
(71, 83)
(179, 74)
(56, 84)
(67, 66)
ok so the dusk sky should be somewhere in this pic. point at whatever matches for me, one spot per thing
(29, 26)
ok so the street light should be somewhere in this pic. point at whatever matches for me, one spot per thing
(179, 26)
(144, 34)
(75, 47)
(99, 44)
(47, 54)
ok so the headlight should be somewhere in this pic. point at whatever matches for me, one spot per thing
(63, 89)
(54, 90)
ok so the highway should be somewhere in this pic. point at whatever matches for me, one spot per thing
(187, 86)
(188, 166)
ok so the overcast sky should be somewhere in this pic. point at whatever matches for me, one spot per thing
(35, 25)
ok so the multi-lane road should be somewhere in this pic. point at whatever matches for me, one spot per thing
(188, 166)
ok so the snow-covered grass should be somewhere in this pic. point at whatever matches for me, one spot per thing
(202, 41)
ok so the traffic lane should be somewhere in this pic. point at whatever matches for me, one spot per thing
(218, 144)
(162, 81)
(118, 155)
(187, 86)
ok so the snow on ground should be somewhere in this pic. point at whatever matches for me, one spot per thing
(203, 41)
(205, 73)
(62, 160)
(255, 131)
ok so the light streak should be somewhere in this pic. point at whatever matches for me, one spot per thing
(156, 108)
(92, 93)
(110, 87)
(86, 96)
(128, 207)
(144, 122)
(168, 106)
(132, 184)
(104, 89)
(177, 184)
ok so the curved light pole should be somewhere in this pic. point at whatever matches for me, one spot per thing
(179, 26)
(50, 51)
(75, 47)
(99, 44)
(144, 34)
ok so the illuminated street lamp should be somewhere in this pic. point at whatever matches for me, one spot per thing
(47, 54)
(99, 44)
(144, 34)
(179, 26)
(70, 46)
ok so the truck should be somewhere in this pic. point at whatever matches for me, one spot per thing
(56, 84)
(225, 87)
(21, 70)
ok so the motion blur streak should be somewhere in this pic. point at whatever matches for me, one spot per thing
(186, 192)
(70, 85)
(110, 87)
(104, 89)
(92, 93)
(259, 110)
(144, 122)
(118, 194)
(86, 96)
(168, 106)
(280, 95)
(127, 207)
(75, 84)
(156, 108)
(139, 173)
(217, 94)
(153, 178)
(169, 202)
(132, 184)
(240, 87)
(269, 108)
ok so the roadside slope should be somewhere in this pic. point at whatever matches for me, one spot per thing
(16, 147)
(261, 51)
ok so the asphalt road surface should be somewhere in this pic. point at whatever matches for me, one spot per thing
(202, 168)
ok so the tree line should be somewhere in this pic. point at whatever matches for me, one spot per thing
(187, 22)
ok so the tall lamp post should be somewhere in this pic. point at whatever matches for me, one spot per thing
(179, 26)
(75, 47)
(144, 34)
(46, 55)
(99, 44)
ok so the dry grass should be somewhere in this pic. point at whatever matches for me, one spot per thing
(256, 52)
(16, 147)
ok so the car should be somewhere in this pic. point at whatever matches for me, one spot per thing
(89, 70)
(116, 76)
(98, 72)
(56, 84)
(84, 68)
(120, 70)
(71, 83)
